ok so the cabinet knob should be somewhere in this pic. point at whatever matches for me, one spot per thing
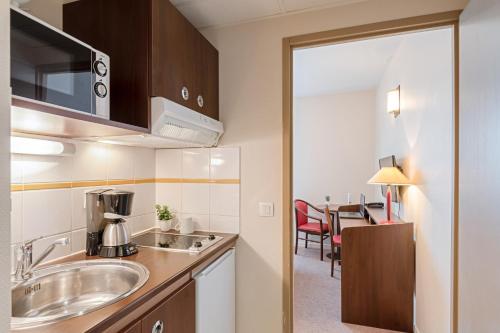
(200, 101)
(185, 93)
(157, 327)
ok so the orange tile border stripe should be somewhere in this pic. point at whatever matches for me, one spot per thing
(196, 181)
(45, 186)
(90, 183)
(169, 180)
(95, 183)
(145, 181)
(224, 181)
(16, 187)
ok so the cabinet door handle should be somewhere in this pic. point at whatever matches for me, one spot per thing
(158, 327)
(200, 101)
(185, 93)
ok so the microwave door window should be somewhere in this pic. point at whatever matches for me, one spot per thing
(62, 85)
(48, 66)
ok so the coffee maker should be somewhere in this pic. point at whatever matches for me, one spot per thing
(108, 234)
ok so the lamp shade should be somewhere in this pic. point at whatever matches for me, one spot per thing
(389, 176)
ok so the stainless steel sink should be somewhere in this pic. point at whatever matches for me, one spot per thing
(73, 289)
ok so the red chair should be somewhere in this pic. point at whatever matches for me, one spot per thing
(302, 224)
(336, 240)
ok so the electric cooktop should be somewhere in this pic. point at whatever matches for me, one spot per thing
(175, 242)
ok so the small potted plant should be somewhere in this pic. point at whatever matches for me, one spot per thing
(165, 217)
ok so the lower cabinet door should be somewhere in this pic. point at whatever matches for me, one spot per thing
(175, 315)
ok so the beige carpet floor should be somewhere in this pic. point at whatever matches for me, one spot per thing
(317, 296)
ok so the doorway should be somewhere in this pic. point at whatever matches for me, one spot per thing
(369, 134)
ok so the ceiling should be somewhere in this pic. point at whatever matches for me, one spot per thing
(216, 13)
(213, 13)
(345, 67)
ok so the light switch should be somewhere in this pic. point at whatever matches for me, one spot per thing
(266, 209)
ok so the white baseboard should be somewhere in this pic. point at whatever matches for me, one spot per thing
(416, 329)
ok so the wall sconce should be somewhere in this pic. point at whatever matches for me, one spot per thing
(35, 146)
(393, 102)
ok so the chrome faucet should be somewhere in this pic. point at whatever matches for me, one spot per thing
(24, 257)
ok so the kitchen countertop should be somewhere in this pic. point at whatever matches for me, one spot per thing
(165, 268)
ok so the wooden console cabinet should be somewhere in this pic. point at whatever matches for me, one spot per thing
(154, 51)
(378, 272)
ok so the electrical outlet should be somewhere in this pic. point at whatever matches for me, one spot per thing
(266, 209)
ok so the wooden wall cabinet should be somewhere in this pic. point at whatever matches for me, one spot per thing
(154, 51)
(177, 314)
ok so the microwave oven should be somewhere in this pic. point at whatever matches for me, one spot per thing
(53, 68)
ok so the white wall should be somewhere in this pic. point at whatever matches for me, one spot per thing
(421, 138)
(479, 232)
(5, 307)
(333, 148)
(250, 58)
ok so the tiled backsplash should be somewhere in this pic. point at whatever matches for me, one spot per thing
(59, 212)
(49, 192)
(202, 184)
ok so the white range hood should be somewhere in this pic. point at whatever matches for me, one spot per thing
(173, 126)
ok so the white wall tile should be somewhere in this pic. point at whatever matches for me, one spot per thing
(138, 224)
(200, 201)
(195, 163)
(46, 212)
(57, 213)
(16, 168)
(144, 163)
(144, 199)
(78, 240)
(16, 217)
(224, 163)
(78, 210)
(59, 251)
(169, 163)
(120, 162)
(229, 224)
(195, 198)
(201, 222)
(132, 221)
(43, 169)
(147, 221)
(225, 199)
(170, 195)
(13, 258)
(129, 187)
(90, 161)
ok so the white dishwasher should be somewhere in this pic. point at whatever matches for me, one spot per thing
(215, 296)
